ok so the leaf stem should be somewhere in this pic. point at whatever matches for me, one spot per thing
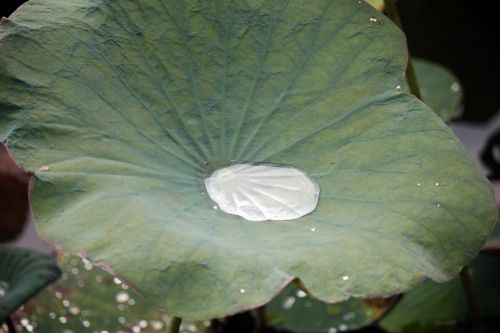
(260, 320)
(174, 325)
(470, 298)
(10, 325)
(392, 12)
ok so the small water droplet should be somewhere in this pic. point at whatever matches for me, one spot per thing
(143, 323)
(313, 229)
(117, 280)
(418, 184)
(63, 320)
(215, 207)
(242, 291)
(121, 320)
(301, 294)
(75, 271)
(121, 307)
(345, 277)
(438, 205)
(43, 168)
(332, 330)
(65, 303)
(24, 322)
(52, 315)
(192, 328)
(58, 294)
(343, 327)
(136, 329)
(86, 323)
(398, 87)
(455, 87)
(289, 302)
(157, 325)
(437, 184)
(131, 301)
(4, 286)
(349, 316)
(74, 310)
(122, 297)
(373, 19)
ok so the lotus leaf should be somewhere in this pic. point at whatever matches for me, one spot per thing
(122, 108)
(23, 273)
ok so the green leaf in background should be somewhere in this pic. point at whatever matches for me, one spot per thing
(442, 306)
(87, 299)
(293, 309)
(440, 89)
(378, 4)
(122, 109)
(23, 273)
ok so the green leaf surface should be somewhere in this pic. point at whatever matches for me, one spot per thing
(293, 309)
(122, 109)
(440, 89)
(87, 299)
(434, 306)
(23, 273)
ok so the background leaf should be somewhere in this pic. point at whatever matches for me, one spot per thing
(23, 273)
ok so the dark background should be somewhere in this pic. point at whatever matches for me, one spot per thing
(462, 35)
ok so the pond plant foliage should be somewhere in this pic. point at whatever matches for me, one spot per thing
(121, 109)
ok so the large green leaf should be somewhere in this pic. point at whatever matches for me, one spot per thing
(295, 310)
(23, 273)
(87, 299)
(440, 89)
(122, 109)
(434, 306)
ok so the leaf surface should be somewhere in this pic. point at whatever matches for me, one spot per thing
(123, 108)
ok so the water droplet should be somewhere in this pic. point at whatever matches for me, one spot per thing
(65, 303)
(122, 297)
(74, 310)
(263, 192)
(52, 315)
(437, 184)
(373, 19)
(104, 332)
(117, 280)
(455, 87)
(343, 327)
(43, 168)
(191, 328)
(301, 294)
(58, 294)
(418, 184)
(86, 323)
(121, 307)
(75, 271)
(156, 325)
(215, 207)
(136, 329)
(63, 320)
(332, 330)
(345, 277)
(143, 323)
(124, 286)
(29, 328)
(98, 278)
(242, 291)
(24, 322)
(398, 87)
(121, 320)
(438, 205)
(313, 229)
(4, 286)
(289, 302)
(349, 316)
(131, 301)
